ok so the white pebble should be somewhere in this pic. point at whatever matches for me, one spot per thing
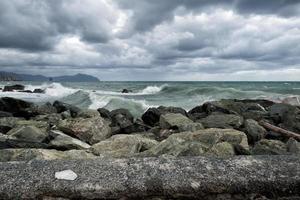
(66, 175)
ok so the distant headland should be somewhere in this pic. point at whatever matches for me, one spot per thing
(9, 76)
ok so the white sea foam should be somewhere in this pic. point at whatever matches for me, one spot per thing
(153, 89)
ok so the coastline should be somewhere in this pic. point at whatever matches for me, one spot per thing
(216, 131)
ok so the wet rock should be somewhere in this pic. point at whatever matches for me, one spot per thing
(91, 130)
(38, 90)
(28, 133)
(219, 120)
(25, 91)
(7, 155)
(104, 113)
(269, 147)
(14, 106)
(10, 88)
(62, 107)
(88, 113)
(126, 91)
(151, 116)
(137, 126)
(293, 146)
(126, 115)
(123, 145)
(62, 141)
(254, 131)
(178, 142)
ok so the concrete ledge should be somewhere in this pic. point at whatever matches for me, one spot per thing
(185, 177)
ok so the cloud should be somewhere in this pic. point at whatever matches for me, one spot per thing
(151, 40)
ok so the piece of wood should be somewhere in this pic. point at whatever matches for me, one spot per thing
(280, 130)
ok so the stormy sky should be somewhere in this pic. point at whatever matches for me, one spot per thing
(193, 40)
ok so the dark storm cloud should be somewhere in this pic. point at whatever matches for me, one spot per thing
(147, 14)
(151, 39)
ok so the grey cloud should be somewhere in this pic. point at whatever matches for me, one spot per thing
(37, 25)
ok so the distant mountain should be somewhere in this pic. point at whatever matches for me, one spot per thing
(8, 76)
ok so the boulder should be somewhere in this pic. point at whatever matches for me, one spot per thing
(7, 123)
(91, 130)
(115, 115)
(222, 149)
(178, 122)
(173, 121)
(295, 101)
(269, 147)
(10, 88)
(28, 133)
(254, 131)
(123, 145)
(219, 120)
(25, 91)
(126, 91)
(44, 109)
(62, 107)
(5, 114)
(8, 155)
(14, 106)
(8, 141)
(206, 138)
(293, 146)
(151, 116)
(62, 141)
(51, 119)
(287, 116)
(172, 109)
(137, 126)
(104, 113)
(42, 125)
(88, 113)
(38, 90)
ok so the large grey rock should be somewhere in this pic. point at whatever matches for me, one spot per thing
(43, 109)
(28, 133)
(7, 155)
(219, 120)
(91, 130)
(285, 115)
(52, 119)
(173, 120)
(222, 149)
(123, 145)
(7, 123)
(254, 131)
(269, 147)
(88, 113)
(293, 146)
(62, 107)
(177, 143)
(15, 106)
(247, 178)
(9, 88)
(42, 125)
(7, 142)
(62, 141)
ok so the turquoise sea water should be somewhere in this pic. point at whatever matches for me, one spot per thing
(147, 94)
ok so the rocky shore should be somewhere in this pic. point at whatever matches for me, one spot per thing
(221, 130)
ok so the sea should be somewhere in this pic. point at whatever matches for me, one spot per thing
(152, 94)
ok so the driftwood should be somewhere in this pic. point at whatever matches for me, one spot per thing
(279, 130)
(241, 177)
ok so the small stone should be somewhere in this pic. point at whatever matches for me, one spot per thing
(66, 175)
